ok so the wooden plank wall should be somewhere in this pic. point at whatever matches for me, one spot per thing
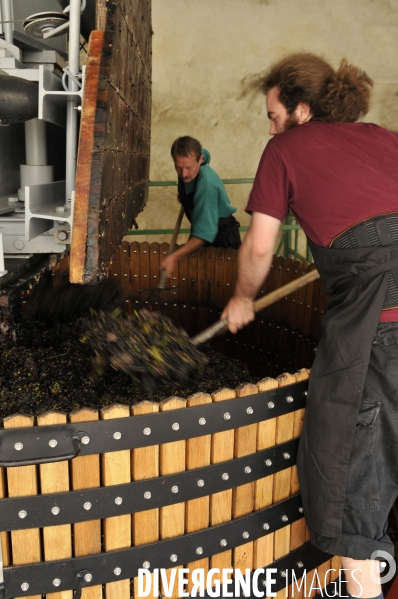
(114, 145)
(136, 529)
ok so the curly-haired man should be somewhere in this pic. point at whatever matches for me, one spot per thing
(339, 176)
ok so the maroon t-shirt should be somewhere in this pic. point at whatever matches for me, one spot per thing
(331, 175)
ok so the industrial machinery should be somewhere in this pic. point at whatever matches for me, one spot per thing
(41, 87)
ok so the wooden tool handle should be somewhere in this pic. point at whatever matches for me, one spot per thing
(163, 276)
(222, 325)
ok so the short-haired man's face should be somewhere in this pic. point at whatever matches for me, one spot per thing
(187, 167)
(280, 119)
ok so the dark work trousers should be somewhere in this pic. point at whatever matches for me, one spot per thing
(372, 481)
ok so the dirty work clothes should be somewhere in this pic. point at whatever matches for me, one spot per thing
(336, 387)
(205, 201)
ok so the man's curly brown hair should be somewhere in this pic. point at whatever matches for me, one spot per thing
(333, 96)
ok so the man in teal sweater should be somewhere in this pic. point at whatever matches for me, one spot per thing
(205, 202)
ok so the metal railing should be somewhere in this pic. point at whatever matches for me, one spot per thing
(288, 245)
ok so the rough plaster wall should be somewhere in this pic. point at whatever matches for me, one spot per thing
(201, 52)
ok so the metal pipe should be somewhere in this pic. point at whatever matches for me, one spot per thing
(71, 112)
(35, 142)
(6, 15)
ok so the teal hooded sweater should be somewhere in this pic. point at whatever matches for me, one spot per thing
(210, 201)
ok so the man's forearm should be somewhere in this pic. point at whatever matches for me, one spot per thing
(192, 244)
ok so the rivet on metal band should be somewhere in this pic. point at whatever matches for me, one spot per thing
(117, 571)
(225, 476)
(199, 550)
(147, 431)
(146, 565)
(22, 514)
(53, 443)
(174, 489)
(289, 399)
(200, 483)
(202, 421)
(88, 577)
(223, 542)
(249, 411)
(147, 495)
(271, 405)
(87, 505)
(227, 416)
(117, 435)
(175, 426)
(268, 462)
(24, 586)
(173, 558)
(248, 470)
(56, 582)
(118, 500)
(55, 510)
(85, 440)
(18, 447)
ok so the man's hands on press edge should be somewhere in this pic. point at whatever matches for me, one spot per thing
(239, 312)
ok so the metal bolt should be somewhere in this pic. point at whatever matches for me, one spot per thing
(202, 421)
(88, 577)
(22, 514)
(289, 399)
(286, 455)
(55, 510)
(300, 565)
(268, 462)
(118, 500)
(18, 447)
(225, 476)
(249, 411)
(305, 393)
(85, 440)
(248, 470)
(227, 416)
(223, 542)
(87, 505)
(264, 583)
(146, 565)
(285, 518)
(117, 571)
(283, 573)
(53, 443)
(271, 405)
(199, 550)
(174, 489)
(175, 426)
(147, 495)
(173, 558)
(245, 535)
(147, 431)
(301, 510)
(56, 582)
(201, 483)
(24, 586)
(266, 526)
(117, 435)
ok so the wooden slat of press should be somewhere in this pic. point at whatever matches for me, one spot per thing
(4, 535)
(222, 449)
(219, 278)
(197, 512)
(164, 296)
(202, 280)
(135, 277)
(193, 277)
(284, 432)
(144, 269)
(287, 276)
(145, 464)
(85, 156)
(154, 268)
(22, 481)
(210, 273)
(228, 272)
(172, 460)
(54, 478)
(242, 497)
(298, 529)
(124, 252)
(279, 267)
(115, 470)
(183, 279)
(263, 550)
(85, 472)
